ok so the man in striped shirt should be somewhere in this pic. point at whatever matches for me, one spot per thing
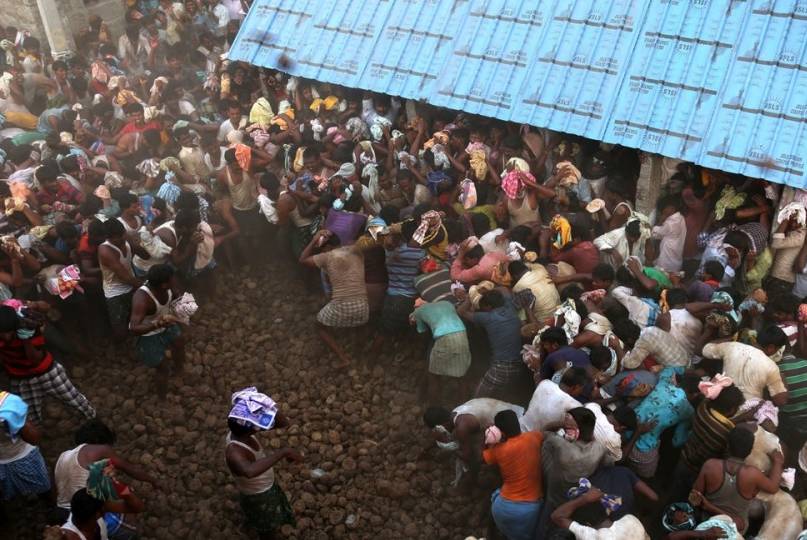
(793, 415)
(711, 426)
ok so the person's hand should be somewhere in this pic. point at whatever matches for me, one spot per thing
(45, 208)
(593, 494)
(197, 238)
(777, 456)
(749, 414)
(460, 294)
(714, 533)
(695, 498)
(646, 427)
(634, 265)
(292, 455)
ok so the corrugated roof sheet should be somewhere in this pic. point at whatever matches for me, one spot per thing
(722, 83)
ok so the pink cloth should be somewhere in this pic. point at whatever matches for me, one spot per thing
(482, 271)
(514, 181)
(711, 389)
(493, 435)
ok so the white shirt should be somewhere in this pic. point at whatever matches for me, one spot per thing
(626, 528)
(488, 242)
(549, 405)
(685, 328)
(672, 234)
(751, 369)
(227, 127)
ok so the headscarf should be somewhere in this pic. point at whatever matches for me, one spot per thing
(13, 411)
(253, 409)
(429, 226)
(729, 200)
(514, 182)
(571, 319)
(563, 230)
(611, 503)
(668, 520)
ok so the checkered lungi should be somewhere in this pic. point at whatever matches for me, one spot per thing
(501, 379)
(25, 476)
(344, 313)
(644, 463)
(450, 355)
(53, 382)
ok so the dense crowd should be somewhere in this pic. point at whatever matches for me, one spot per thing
(624, 373)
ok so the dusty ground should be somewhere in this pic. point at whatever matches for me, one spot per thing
(361, 426)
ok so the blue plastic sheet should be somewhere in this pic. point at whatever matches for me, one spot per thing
(720, 83)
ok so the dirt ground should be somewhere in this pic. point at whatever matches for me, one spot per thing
(359, 429)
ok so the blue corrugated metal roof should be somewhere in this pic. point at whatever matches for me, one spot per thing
(722, 83)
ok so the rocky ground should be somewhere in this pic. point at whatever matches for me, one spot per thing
(359, 429)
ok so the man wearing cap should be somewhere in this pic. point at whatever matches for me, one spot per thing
(264, 503)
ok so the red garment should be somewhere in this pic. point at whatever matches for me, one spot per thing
(131, 127)
(66, 194)
(584, 256)
(16, 362)
(85, 249)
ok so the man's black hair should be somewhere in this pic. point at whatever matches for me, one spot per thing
(585, 420)
(160, 274)
(728, 401)
(574, 376)
(603, 272)
(507, 422)
(491, 300)
(772, 335)
(626, 330)
(127, 199)
(66, 230)
(786, 303)
(480, 224)
(48, 171)
(475, 252)
(600, 357)
(741, 441)
(676, 297)
(84, 507)
(113, 228)
(238, 430)
(715, 269)
(626, 416)
(9, 321)
(633, 228)
(556, 335)
(94, 431)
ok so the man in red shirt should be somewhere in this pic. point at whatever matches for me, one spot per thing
(580, 252)
(31, 369)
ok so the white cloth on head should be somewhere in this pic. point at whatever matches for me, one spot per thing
(794, 208)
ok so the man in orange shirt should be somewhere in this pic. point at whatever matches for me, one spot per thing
(517, 504)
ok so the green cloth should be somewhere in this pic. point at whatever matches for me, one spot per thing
(27, 138)
(794, 375)
(267, 511)
(99, 484)
(660, 276)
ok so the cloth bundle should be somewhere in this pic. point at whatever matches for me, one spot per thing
(429, 226)
(712, 388)
(267, 209)
(468, 194)
(796, 209)
(729, 200)
(252, 408)
(563, 231)
(611, 503)
(67, 280)
(13, 411)
(514, 182)
(184, 307)
(101, 483)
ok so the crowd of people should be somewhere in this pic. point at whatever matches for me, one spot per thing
(624, 373)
